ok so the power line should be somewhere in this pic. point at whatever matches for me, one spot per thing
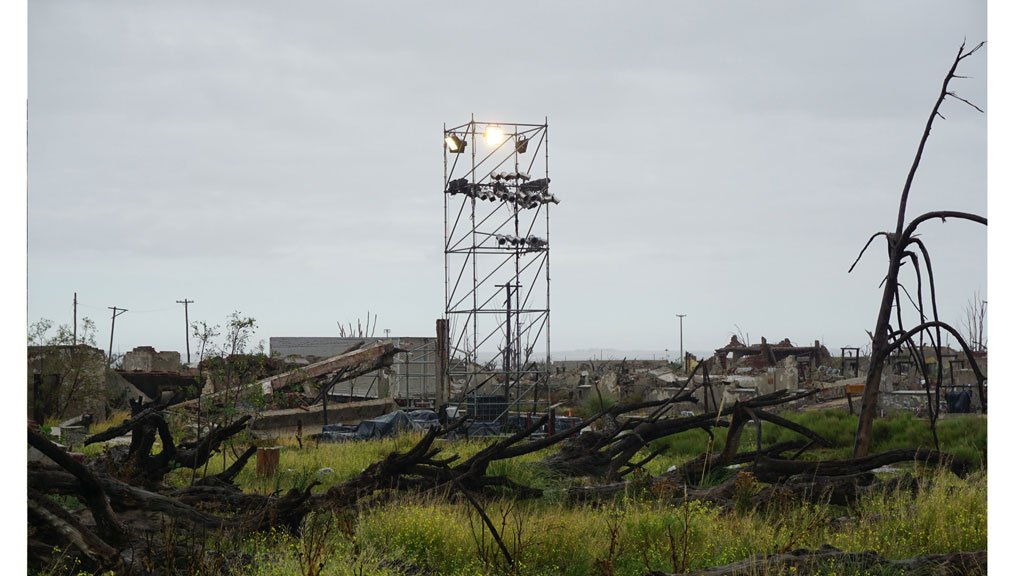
(134, 311)
(154, 310)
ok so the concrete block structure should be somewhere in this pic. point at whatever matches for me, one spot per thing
(66, 381)
(412, 375)
(147, 359)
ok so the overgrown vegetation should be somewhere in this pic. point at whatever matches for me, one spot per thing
(641, 530)
(637, 533)
(965, 437)
(634, 535)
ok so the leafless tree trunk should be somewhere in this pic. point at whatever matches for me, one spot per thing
(900, 244)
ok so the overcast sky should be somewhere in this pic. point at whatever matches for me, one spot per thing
(726, 160)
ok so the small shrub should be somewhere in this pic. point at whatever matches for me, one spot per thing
(746, 489)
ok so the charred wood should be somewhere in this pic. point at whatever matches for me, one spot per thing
(50, 519)
(802, 561)
(608, 453)
(108, 526)
(774, 470)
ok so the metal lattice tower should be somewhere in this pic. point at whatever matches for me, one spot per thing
(497, 270)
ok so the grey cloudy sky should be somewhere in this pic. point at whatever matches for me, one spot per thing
(726, 160)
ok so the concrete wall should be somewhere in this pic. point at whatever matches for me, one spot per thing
(413, 371)
(73, 381)
(147, 359)
(312, 346)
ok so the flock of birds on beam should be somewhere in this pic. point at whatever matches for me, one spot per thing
(521, 190)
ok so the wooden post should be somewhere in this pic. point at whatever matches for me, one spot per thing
(267, 460)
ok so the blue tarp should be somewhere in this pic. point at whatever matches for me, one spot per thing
(386, 425)
(382, 426)
(958, 401)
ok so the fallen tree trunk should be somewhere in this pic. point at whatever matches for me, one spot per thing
(700, 467)
(108, 526)
(774, 470)
(835, 490)
(140, 467)
(804, 561)
(677, 483)
(838, 482)
(47, 515)
(608, 453)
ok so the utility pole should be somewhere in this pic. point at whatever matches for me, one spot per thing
(74, 320)
(188, 354)
(682, 355)
(110, 351)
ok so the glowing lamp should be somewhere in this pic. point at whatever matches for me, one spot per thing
(494, 135)
(455, 144)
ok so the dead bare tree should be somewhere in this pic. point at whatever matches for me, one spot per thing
(130, 506)
(973, 323)
(901, 248)
(139, 466)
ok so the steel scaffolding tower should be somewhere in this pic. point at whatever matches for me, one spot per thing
(497, 270)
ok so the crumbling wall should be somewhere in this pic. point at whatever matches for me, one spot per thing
(66, 381)
(147, 359)
(609, 384)
(787, 375)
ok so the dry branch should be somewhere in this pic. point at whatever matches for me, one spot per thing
(608, 453)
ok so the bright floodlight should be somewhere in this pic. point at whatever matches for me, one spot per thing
(455, 144)
(494, 135)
